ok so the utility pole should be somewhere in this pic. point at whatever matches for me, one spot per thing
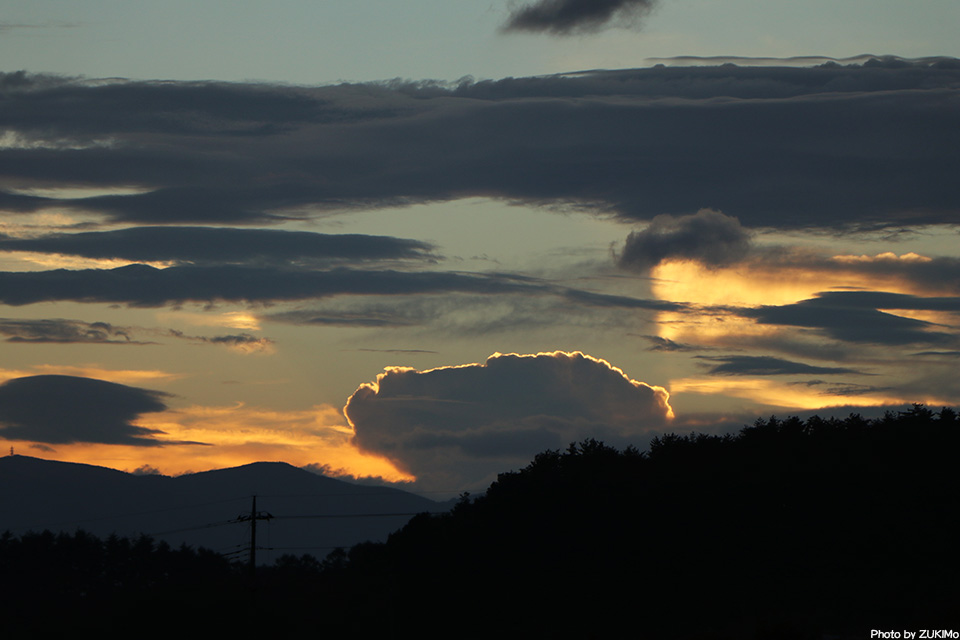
(253, 517)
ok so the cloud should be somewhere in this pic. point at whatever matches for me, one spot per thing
(838, 147)
(939, 273)
(146, 286)
(230, 246)
(538, 308)
(708, 237)
(60, 331)
(241, 343)
(460, 425)
(804, 61)
(765, 366)
(856, 316)
(658, 343)
(562, 17)
(56, 409)
(907, 272)
(10, 26)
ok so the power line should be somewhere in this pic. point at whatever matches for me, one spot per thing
(355, 515)
(196, 528)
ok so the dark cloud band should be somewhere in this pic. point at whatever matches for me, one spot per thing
(67, 409)
(142, 285)
(862, 317)
(766, 366)
(772, 146)
(146, 286)
(205, 244)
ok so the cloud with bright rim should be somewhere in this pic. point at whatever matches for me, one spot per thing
(460, 425)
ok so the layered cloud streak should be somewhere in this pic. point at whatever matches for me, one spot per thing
(773, 146)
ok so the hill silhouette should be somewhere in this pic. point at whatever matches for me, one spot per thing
(201, 509)
(790, 529)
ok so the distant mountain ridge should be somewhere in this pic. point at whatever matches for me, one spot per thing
(310, 513)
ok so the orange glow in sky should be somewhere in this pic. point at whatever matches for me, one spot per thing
(230, 437)
(753, 284)
(778, 393)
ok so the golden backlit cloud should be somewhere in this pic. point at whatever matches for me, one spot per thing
(767, 282)
(777, 393)
(770, 280)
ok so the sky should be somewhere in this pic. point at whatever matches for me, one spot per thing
(421, 242)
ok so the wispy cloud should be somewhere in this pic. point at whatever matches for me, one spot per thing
(241, 343)
(765, 366)
(28, 26)
(59, 331)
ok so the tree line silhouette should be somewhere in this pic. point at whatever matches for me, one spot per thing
(789, 529)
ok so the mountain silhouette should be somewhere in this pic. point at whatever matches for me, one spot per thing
(310, 513)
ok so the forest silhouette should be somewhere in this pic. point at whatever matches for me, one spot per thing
(791, 528)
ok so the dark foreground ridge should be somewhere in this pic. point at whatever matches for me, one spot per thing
(789, 529)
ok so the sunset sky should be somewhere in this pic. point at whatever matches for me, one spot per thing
(423, 241)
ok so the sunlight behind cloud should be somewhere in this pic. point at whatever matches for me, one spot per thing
(688, 281)
(795, 395)
(230, 319)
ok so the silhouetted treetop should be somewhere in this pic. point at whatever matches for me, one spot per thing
(801, 526)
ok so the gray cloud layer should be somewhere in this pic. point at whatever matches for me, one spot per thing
(455, 426)
(61, 331)
(145, 286)
(765, 366)
(563, 17)
(204, 244)
(832, 146)
(68, 409)
(858, 317)
(142, 285)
